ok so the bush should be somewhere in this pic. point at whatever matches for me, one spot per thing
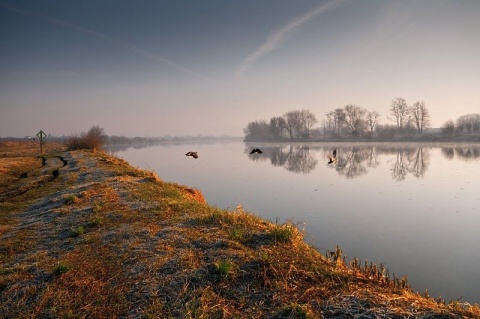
(92, 140)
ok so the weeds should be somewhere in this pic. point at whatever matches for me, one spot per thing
(224, 268)
(284, 233)
(294, 312)
(78, 231)
(61, 269)
(96, 222)
(236, 233)
(71, 199)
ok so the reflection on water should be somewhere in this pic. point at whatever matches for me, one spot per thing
(296, 159)
(355, 161)
(415, 208)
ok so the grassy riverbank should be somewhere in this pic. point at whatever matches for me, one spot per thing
(84, 234)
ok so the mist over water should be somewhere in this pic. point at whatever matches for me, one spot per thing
(415, 208)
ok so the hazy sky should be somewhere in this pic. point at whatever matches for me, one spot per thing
(154, 68)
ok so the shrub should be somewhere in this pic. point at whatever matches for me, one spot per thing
(92, 140)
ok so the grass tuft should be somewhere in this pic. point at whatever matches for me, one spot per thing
(285, 233)
(224, 268)
(76, 232)
(61, 269)
(71, 199)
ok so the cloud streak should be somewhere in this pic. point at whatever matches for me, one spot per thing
(276, 38)
(133, 48)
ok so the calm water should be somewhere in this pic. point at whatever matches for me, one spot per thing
(415, 208)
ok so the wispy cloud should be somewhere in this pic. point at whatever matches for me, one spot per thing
(80, 29)
(276, 38)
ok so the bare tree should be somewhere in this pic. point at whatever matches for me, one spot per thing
(329, 124)
(307, 120)
(448, 127)
(95, 137)
(257, 130)
(291, 122)
(339, 119)
(277, 125)
(419, 116)
(399, 111)
(372, 120)
(470, 122)
(355, 119)
(299, 123)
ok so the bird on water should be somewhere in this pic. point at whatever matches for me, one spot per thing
(192, 154)
(256, 150)
(332, 158)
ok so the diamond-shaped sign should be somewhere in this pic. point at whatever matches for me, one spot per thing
(41, 135)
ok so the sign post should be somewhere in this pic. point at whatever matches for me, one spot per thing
(41, 135)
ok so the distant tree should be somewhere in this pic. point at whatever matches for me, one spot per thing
(292, 120)
(448, 127)
(419, 116)
(277, 126)
(372, 120)
(339, 115)
(399, 112)
(468, 122)
(257, 130)
(95, 137)
(298, 124)
(355, 119)
(330, 122)
(307, 120)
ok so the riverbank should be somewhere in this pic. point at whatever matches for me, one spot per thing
(84, 234)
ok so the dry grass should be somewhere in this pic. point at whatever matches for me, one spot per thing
(105, 240)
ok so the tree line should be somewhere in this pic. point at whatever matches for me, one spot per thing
(353, 121)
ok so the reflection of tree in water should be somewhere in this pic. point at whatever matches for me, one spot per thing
(351, 163)
(300, 161)
(371, 159)
(448, 152)
(462, 152)
(410, 160)
(356, 161)
(468, 153)
(296, 159)
(419, 162)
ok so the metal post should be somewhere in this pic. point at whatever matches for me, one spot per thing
(41, 135)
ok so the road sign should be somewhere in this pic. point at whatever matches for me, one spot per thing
(41, 135)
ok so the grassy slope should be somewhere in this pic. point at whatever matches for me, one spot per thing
(102, 239)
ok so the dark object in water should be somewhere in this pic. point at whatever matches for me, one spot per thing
(256, 150)
(332, 158)
(192, 154)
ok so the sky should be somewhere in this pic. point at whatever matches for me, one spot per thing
(156, 67)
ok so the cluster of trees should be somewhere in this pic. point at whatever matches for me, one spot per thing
(351, 120)
(294, 125)
(468, 123)
(356, 120)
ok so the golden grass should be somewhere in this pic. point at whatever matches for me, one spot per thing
(150, 249)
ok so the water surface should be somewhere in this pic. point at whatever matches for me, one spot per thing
(415, 208)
